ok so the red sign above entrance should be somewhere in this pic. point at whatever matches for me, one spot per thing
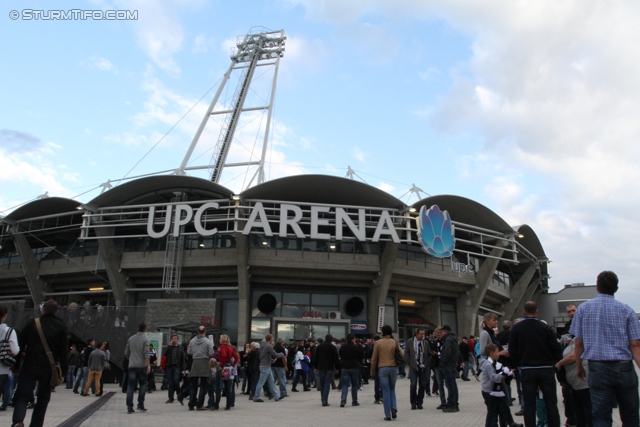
(311, 315)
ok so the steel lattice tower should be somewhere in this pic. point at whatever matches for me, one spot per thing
(254, 50)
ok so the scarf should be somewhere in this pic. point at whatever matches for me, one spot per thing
(493, 337)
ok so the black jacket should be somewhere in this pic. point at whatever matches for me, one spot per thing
(326, 357)
(533, 343)
(74, 357)
(464, 350)
(450, 351)
(351, 356)
(278, 363)
(35, 358)
(253, 361)
(179, 358)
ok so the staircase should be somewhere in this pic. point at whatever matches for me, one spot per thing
(107, 324)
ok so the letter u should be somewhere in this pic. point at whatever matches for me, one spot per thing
(151, 221)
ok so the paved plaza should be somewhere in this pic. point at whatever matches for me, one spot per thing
(298, 409)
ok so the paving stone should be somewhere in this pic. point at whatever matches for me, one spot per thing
(301, 408)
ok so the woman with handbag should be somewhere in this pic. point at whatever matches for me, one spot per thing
(227, 360)
(386, 357)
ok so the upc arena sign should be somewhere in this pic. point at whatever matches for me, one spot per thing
(432, 228)
(290, 218)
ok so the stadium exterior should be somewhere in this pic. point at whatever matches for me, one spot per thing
(297, 256)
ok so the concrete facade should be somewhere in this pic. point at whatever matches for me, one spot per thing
(317, 243)
(171, 311)
(552, 306)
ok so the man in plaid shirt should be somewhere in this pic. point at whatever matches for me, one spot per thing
(607, 334)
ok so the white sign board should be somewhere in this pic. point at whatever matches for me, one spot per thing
(155, 338)
(380, 318)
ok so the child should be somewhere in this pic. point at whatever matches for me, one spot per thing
(214, 385)
(492, 392)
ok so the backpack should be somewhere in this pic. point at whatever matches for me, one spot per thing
(304, 364)
(6, 358)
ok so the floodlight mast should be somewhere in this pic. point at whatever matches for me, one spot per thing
(254, 50)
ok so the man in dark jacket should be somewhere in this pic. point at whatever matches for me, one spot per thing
(174, 365)
(83, 370)
(449, 363)
(326, 365)
(279, 368)
(534, 348)
(417, 357)
(73, 360)
(351, 356)
(36, 367)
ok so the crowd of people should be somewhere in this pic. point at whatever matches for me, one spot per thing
(521, 365)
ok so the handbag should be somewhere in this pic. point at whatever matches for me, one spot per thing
(56, 372)
(399, 357)
(226, 373)
(6, 357)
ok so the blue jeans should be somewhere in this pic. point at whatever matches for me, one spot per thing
(544, 378)
(449, 374)
(266, 378)
(388, 376)
(125, 381)
(70, 377)
(440, 380)
(230, 392)
(419, 384)
(214, 392)
(172, 373)
(7, 390)
(324, 381)
(24, 393)
(138, 375)
(607, 379)
(4, 379)
(465, 369)
(81, 378)
(311, 378)
(350, 376)
(281, 375)
(377, 390)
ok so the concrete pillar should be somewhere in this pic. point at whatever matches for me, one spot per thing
(517, 291)
(528, 296)
(431, 311)
(536, 294)
(118, 279)
(467, 305)
(244, 288)
(378, 290)
(30, 267)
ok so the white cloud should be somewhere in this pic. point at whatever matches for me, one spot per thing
(551, 90)
(201, 44)
(33, 168)
(386, 187)
(158, 33)
(359, 155)
(430, 74)
(99, 63)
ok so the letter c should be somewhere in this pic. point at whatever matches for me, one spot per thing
(197, 221)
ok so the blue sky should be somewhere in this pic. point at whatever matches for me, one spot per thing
(528, 109)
